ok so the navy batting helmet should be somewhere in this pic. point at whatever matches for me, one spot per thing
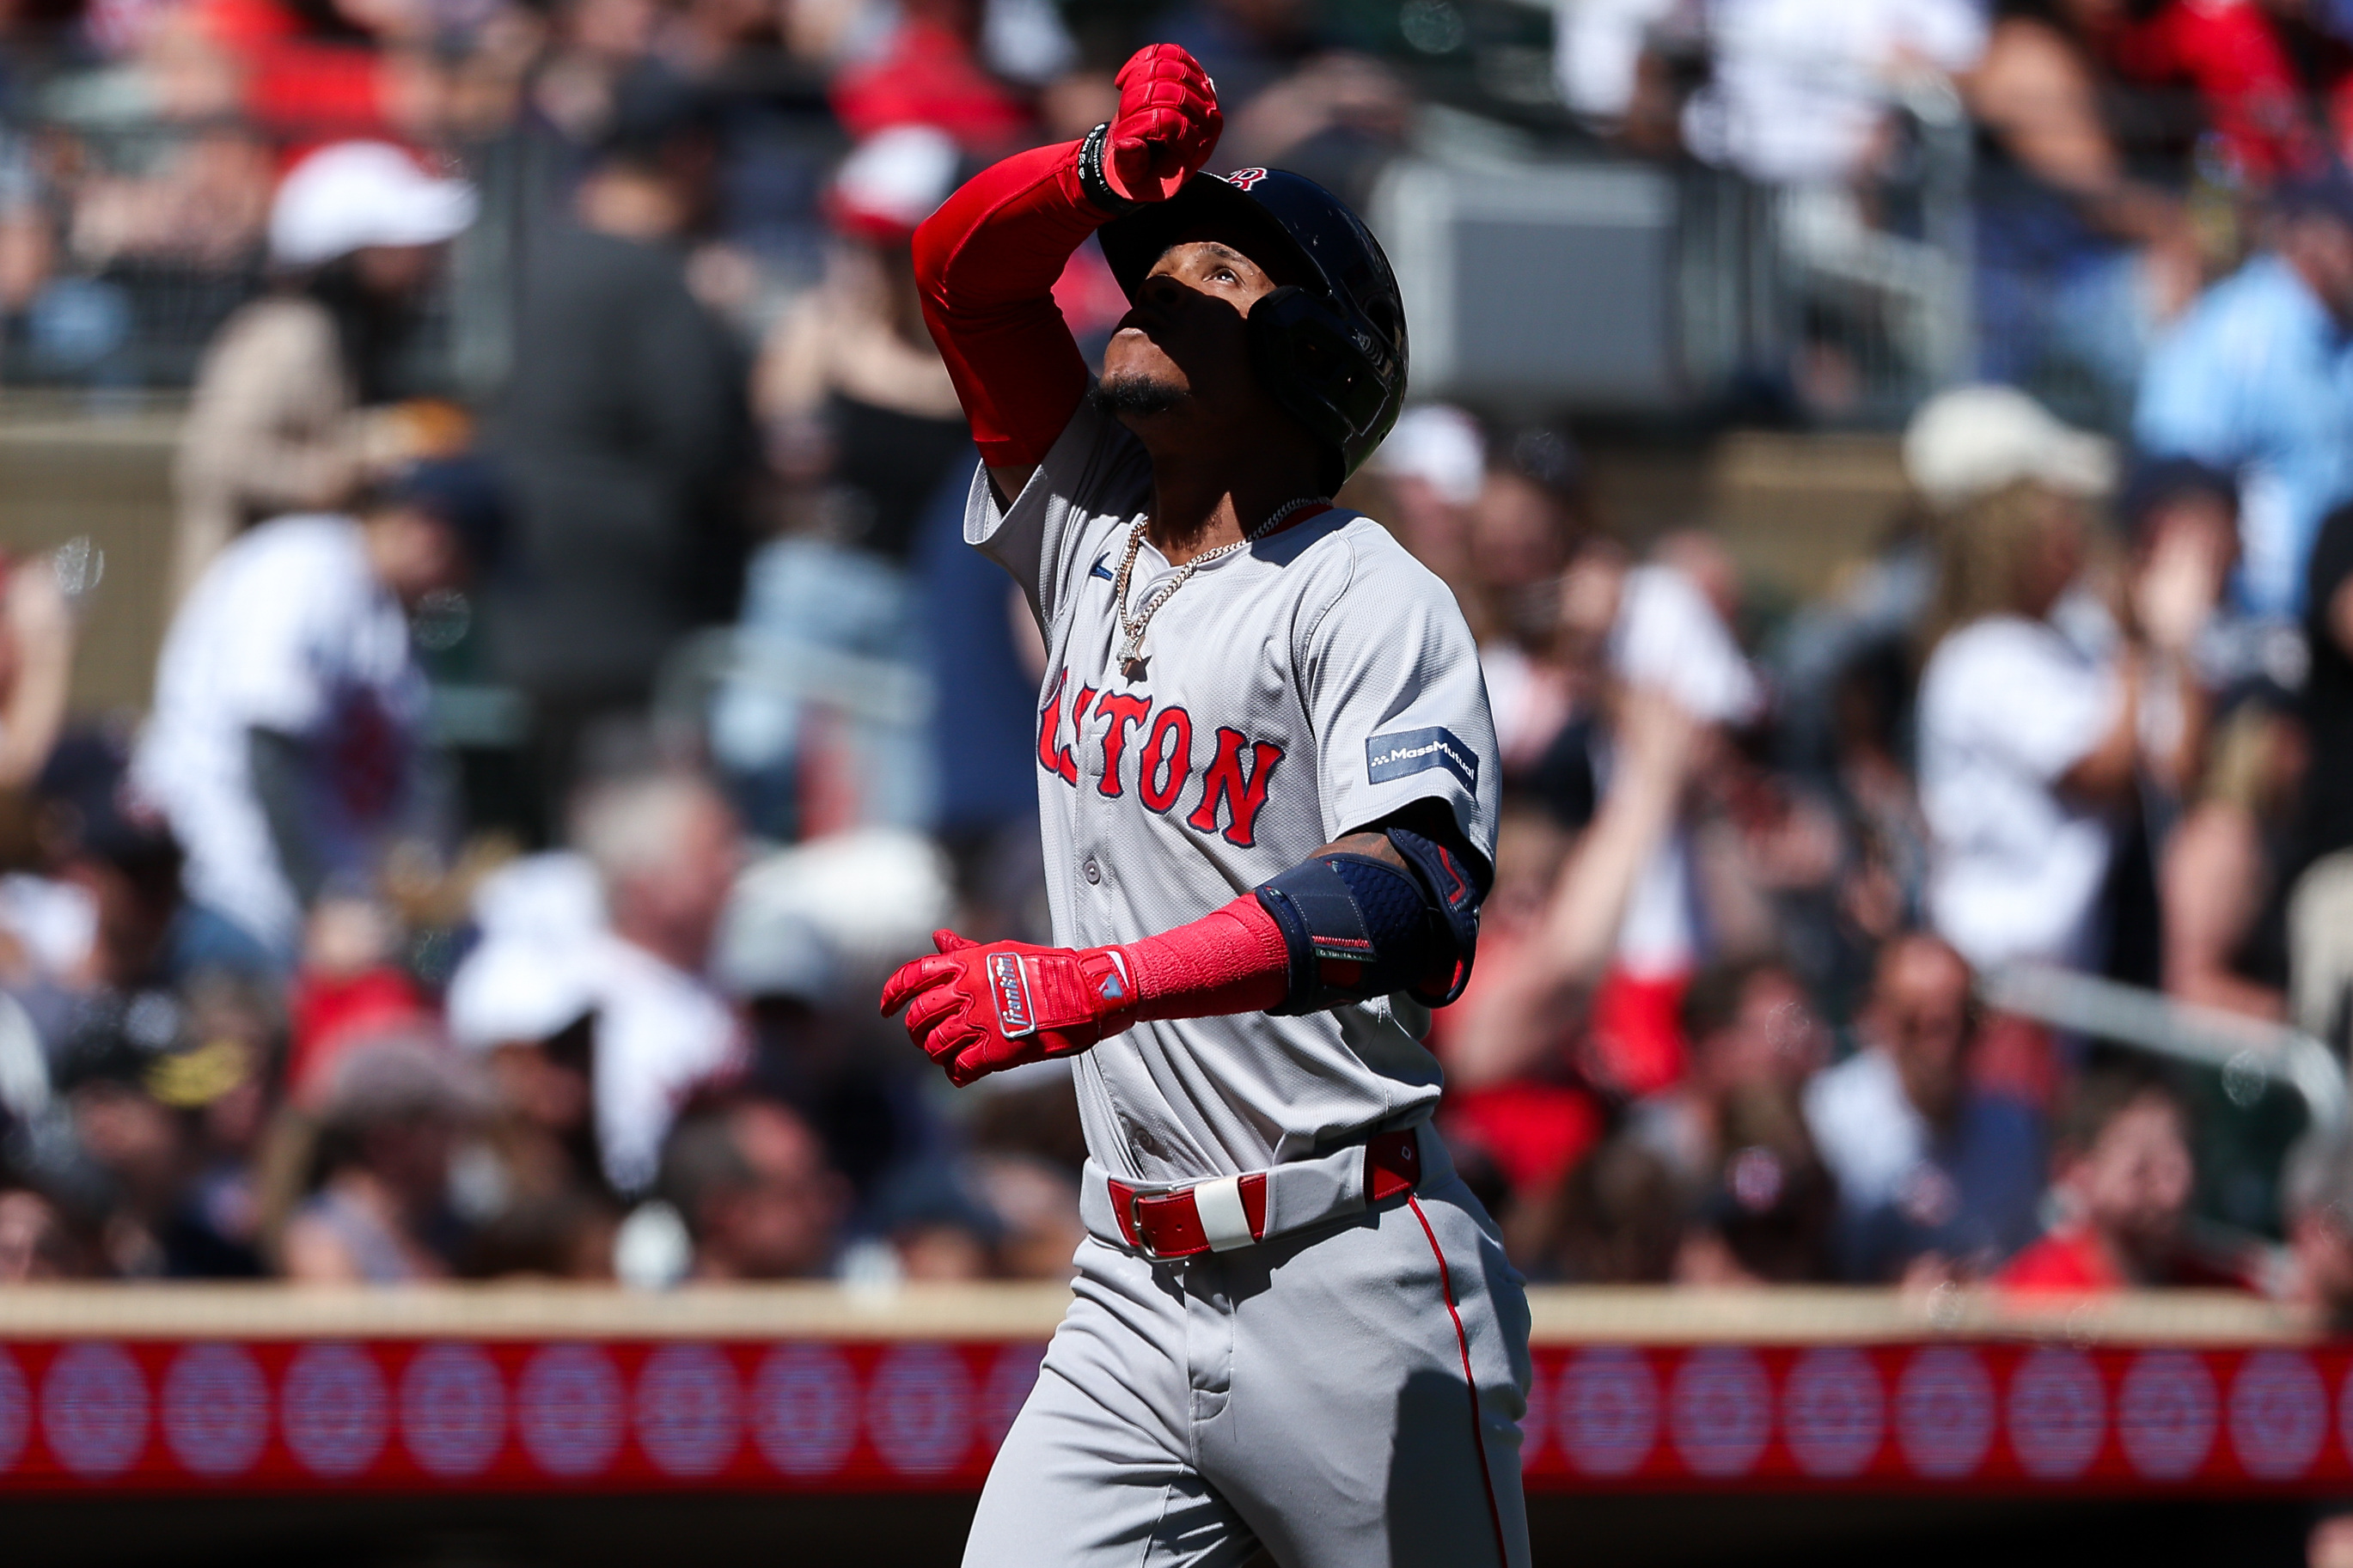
(1331, 347)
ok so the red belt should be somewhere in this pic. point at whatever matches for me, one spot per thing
(1230, 1212)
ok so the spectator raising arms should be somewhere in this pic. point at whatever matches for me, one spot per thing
(1551, 977)
(2031, 729)
(2222, 835)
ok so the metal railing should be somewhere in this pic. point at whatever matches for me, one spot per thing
(2248, 1052)
(1607, 284)
(154, 234)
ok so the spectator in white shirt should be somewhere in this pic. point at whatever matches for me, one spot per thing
(2031, 725)
(1802, 90)
(665, 847)
(289, 705)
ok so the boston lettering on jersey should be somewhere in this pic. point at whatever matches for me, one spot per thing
(1232, 785)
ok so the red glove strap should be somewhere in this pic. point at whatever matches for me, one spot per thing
(1059, 991)
(1231, 960)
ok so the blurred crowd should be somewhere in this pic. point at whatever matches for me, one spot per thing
(1761, 871)
(2091, 164)
(2052, 183)
(576, 697)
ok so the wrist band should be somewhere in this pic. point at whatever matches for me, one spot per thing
(1090, 174)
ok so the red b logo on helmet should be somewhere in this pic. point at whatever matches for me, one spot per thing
(1243, 179)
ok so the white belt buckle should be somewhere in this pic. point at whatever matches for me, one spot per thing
(1224, 1223)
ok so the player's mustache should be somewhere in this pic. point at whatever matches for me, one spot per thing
(1138, 393)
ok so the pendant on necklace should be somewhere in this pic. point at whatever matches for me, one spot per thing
(1132, 667)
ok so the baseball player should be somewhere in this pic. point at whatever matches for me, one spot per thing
(1268, 781)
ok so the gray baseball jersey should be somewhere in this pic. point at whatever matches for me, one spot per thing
(1298, 688)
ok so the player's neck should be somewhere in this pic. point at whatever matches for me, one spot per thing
(1196, 511)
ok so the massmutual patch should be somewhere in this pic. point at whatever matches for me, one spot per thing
(1408, 752)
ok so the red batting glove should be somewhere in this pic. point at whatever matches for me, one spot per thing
(979, 1009)
(1166, 127)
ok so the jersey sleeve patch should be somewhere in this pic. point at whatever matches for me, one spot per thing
(1401, 754)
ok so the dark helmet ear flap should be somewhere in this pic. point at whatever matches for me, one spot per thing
(1308, 360)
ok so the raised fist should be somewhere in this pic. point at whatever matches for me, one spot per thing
(979, 1009)
(1166, 127)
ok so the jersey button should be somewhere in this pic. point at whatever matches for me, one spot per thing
(1091, 871)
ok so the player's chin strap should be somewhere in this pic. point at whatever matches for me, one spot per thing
(1356, 928)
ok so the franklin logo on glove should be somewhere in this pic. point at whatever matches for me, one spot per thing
(1012, 995)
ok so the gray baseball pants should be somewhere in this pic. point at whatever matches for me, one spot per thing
(1347, 1395)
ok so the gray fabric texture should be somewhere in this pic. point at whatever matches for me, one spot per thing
(1306, 1394)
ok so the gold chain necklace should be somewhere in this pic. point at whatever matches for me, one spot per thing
(1132, 660)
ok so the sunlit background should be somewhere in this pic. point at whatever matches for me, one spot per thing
(489, 682)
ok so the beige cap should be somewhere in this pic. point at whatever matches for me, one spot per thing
(401, 1074)
(1972, 441)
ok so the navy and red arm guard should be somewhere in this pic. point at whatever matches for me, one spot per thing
(1355, 927)
(1338, 927)
(987, 262)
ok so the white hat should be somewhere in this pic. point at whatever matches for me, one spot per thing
(874, 895)
(353, 194)
(553, 898)
(767, 949)
(896, 178)
(513, 988)
(1439, 444)
(1972, 441)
